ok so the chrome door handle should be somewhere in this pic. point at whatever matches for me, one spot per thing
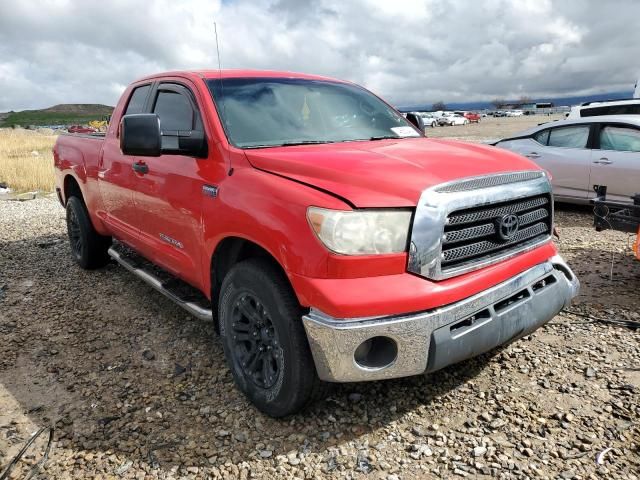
(603, 161)
(140, 167)
(533, 155)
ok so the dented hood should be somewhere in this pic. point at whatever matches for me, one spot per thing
(385, 173)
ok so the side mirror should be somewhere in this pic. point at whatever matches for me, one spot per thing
(191, 142)
(416, 120)
(140, 135)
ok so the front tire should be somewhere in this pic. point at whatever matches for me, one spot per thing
(88, 247)
(264, 339)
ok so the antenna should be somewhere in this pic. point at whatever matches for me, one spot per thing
(215, 29)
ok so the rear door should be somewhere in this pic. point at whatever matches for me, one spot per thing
(616, 161)
(116, 178)
(564, 152)
(169, 196)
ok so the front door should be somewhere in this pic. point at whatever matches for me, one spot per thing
(169, 195)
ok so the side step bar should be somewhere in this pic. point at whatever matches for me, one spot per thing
(191, 307)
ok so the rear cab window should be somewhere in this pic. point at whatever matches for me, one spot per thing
(137, 100)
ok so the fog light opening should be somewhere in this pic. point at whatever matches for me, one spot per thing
(376, 352)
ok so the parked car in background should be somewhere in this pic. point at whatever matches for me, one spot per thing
(450, 118)
(473, 117)
(80, 129)
(585, 153)
(499, 113)
(429, 119)
(513, 113)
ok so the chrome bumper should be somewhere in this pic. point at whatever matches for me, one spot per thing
(431, 340)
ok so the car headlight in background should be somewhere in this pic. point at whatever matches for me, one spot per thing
(361, 232)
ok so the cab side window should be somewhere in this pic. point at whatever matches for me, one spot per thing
(179, 116)
(621, 139)
(569, 137)
(137, 100)
(174, 110)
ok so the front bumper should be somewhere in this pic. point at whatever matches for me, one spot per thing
(428, 341)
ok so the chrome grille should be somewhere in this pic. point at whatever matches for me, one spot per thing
(493, 212)
(459, 227)
(490, 181)
(472, 234)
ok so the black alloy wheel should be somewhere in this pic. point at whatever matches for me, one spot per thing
(255, 341)
(88, 248)
(264, 339)
(75, 235)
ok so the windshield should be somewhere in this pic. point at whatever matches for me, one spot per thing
(269, 112)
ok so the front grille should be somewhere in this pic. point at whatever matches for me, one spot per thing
(471, 235)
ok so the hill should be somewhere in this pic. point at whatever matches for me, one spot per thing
(63, 114)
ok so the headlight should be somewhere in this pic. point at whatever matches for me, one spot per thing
(361, 232)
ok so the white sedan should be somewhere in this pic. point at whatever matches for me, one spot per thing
(583, 154)
(453, 119)
(429, 120)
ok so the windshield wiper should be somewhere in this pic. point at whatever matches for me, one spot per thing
(384, 137)
(304, 142)
(290, 144)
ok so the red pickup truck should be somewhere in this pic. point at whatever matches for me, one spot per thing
(326, 237)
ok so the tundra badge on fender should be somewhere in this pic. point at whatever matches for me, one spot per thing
(170, 240)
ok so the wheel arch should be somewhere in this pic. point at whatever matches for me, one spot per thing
(71, 187)
(230, 251)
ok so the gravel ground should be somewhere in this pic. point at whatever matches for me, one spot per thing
(136, 388)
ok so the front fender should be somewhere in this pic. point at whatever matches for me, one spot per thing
(269, 211)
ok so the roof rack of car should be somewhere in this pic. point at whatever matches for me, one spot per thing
(609, 100)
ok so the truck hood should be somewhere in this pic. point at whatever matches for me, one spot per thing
(385, 173)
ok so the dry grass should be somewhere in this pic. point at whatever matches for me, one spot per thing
(20, 166)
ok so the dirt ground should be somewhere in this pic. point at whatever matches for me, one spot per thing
(137, 388)
(489, 129)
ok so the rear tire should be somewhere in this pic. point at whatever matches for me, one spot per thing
(264, 339)
(88, 247)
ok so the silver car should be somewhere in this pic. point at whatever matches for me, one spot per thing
(584, 153)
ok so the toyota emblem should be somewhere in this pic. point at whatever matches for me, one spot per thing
(507, 226)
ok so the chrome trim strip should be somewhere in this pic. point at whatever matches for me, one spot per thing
(194, 309)
(434, 206)
(334, 341)
(474, 183)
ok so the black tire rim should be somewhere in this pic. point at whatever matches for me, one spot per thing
(75, 235)
(256, 346)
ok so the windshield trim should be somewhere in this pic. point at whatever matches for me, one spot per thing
(210, 82)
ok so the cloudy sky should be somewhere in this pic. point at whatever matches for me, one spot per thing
(408, 51)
